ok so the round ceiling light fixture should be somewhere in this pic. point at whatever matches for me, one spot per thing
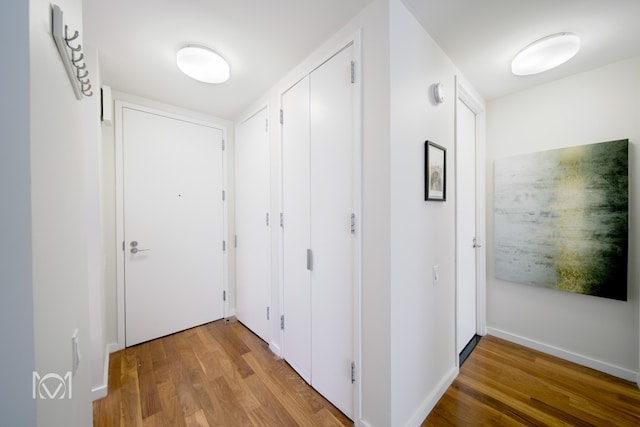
(203, 64)
(545, 54)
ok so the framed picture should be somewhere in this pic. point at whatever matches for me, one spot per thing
(435, 172)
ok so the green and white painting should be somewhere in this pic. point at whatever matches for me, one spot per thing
(561, 219)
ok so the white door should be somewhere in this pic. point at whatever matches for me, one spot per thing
(173, 224)
(466, 223)
(253, 244)
(332, 242)
(297, 224)
(318, 201)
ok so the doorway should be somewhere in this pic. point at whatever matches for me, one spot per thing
(470, 255)
(253, 223)
(170, 223)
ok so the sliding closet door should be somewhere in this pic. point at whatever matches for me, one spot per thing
(296, 236)
(332, 242)
(253, 245)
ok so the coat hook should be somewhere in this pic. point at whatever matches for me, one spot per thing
(66, 34)
(78, 59)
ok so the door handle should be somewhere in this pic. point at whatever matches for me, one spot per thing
(309, 260)
(135, 250)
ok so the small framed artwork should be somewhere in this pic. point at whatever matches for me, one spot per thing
(435, 173)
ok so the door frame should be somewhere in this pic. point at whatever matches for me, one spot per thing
(354, 40)
(120, 106)
(464, 93)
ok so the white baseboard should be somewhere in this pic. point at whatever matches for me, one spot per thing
(580, 359)
(275, 349)
(102, 390)
(432, 399)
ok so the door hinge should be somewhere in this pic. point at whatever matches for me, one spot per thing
(224, 245)
(224, 195)
(353, 372)
(224, 295)
(235, 241)
(267, 313)
(123, 245)
(282, 322)
(353, 72)
(223, 145)
(267, 218)
(281, 220)
(353, 223)
(266, 125)
(281, 116)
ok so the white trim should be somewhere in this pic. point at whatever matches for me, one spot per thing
(275, 348)
(357, 206)
(476, 105)
(119, 188)
(432, 399)
(102, 390)
(580, 359)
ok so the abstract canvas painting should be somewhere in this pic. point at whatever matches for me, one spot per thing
(561, 219)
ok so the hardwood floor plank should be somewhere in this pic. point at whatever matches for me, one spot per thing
(197, 419)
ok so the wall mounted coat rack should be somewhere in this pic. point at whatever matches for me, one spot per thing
(71, 53)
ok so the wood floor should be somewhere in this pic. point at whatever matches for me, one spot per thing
(218, 374)
(221, 374)
(504, 384)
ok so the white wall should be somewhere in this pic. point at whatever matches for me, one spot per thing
(96, 266)
(423, 351)
(59, 219)
(375, 363)
(596, 106)
(17, 406)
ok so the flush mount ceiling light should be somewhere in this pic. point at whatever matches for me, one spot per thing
(545, 54)
(203, 64)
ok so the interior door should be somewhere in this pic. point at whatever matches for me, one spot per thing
(296, 195)
(332, 241)
(173, 224)
(253, 245)
(466, 223)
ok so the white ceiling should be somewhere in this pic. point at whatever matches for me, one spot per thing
(482, 36)
(262, 40)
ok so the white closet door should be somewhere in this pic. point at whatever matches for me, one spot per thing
(296, 234)
(253, 251)
(331, 239)
(173, 224)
